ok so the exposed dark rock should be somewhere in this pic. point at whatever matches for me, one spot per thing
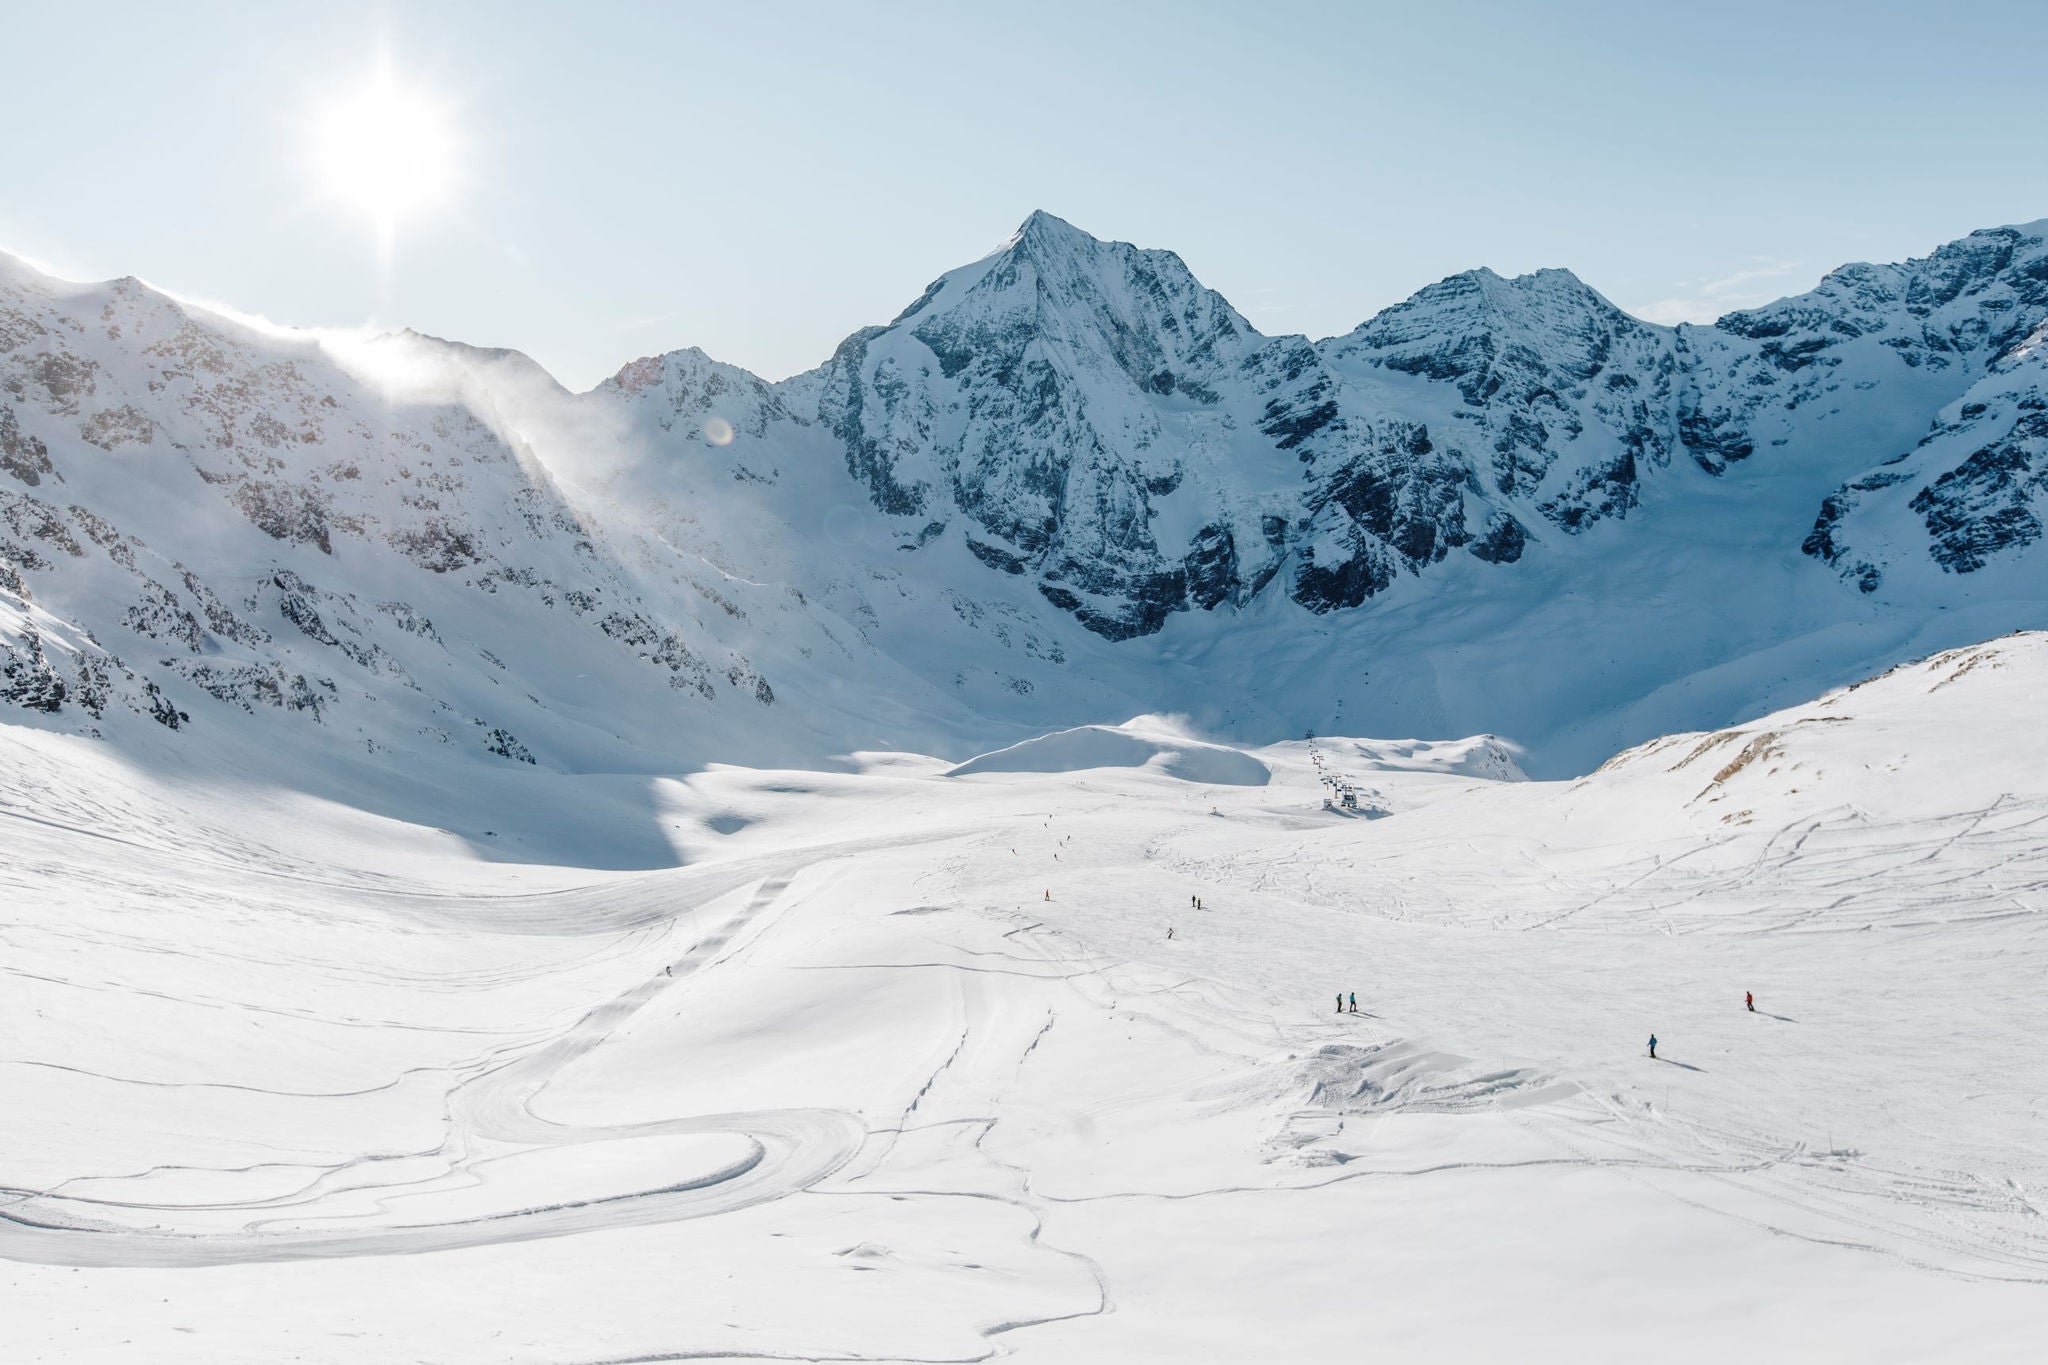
(1324, 588)
(437, 544)
(102, 533)
(160, 616)
(995, 558)
(25, 457)
(505, 744)
(248, 685)
(1713, 439)
(295, 604)
(33, 519)
(1211, 568)
(284, 511)
(1502, 541)
(408, 619)
(1986, 504)
(160, 709)
(27, 678)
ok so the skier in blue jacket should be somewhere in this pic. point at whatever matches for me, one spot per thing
(1653, 1047)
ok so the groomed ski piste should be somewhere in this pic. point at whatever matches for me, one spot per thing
(902, 1063)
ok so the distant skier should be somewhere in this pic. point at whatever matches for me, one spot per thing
(1653, 1047)
(1354, 1002)
(1169, 931)
(1749, 999)
(1340, 1002)
(1048, 895)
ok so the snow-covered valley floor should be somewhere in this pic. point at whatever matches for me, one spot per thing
(903, 1065)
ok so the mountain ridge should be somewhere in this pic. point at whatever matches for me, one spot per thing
(1067, 485)
(1395, 479)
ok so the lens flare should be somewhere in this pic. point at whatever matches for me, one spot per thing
(718, 431)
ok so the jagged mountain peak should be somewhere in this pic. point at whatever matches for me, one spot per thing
(1540, 306)
(1048, 229)
(1943, 297)
(688, 391)
(1064, 281)
(1507, 291)
(1055, 294)
(643, 371)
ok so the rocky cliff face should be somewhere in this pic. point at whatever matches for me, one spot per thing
(1968, 495)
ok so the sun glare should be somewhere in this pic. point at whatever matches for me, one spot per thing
(386, 152)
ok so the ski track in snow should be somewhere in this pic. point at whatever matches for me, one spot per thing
(788, 1151)
(909, 1070)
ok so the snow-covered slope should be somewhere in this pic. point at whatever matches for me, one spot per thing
(904, 1065)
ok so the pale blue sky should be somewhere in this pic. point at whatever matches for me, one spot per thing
(760, 179)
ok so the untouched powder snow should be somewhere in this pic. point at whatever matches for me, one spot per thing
(896, 1065)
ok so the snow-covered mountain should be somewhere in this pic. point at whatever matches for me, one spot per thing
(1103, 424)
(1068, 484)
(1035, 1056)
(464, 833)
(202, 514)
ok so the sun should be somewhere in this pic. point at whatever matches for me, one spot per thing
(385, 152)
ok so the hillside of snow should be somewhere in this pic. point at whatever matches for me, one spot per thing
(902, 1062)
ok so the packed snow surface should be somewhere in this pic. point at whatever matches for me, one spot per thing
(892, 1063)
